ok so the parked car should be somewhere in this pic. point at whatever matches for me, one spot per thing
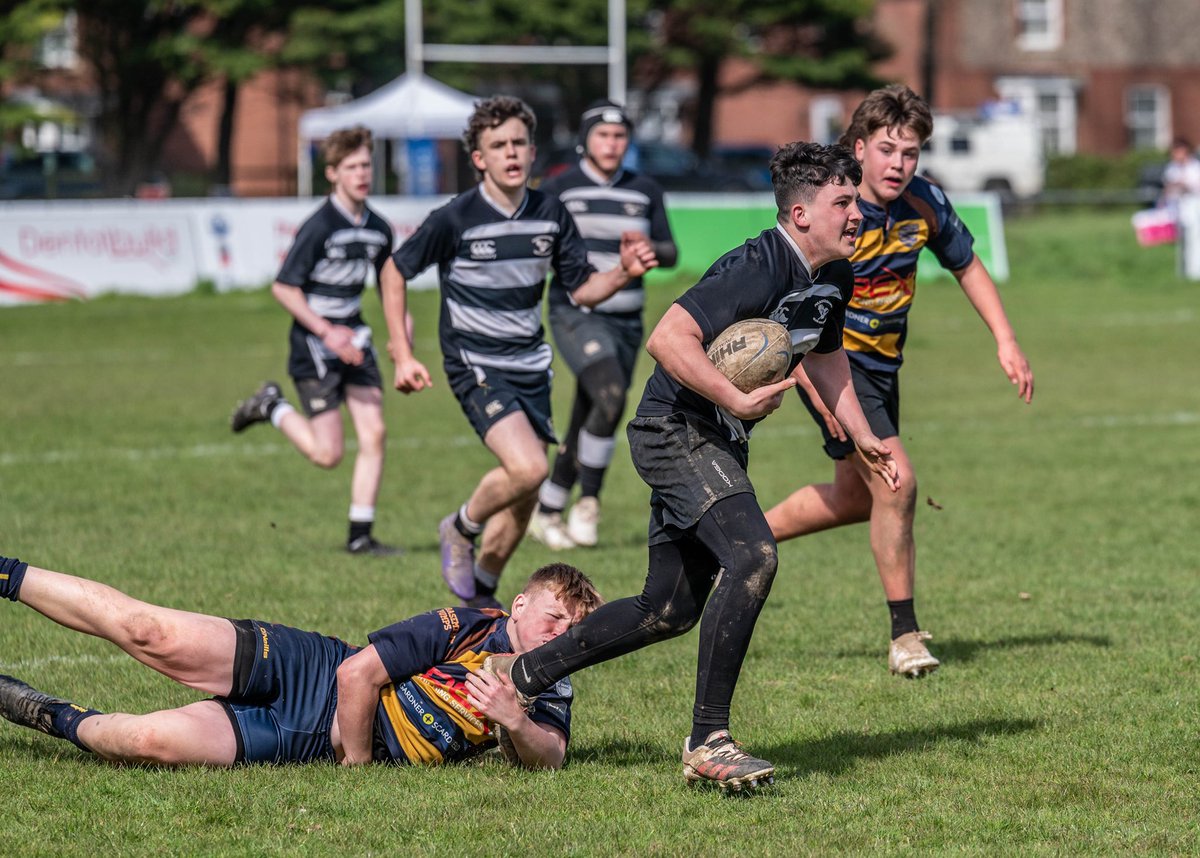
(49, 175)
(1001, 153)
(750, 161)
(673, 167)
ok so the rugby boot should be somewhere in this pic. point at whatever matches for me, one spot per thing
(548, 529)
(29, 707)
(257, 408)
(367, 544)
(908, 655)
(458, 559)
(721, 761)
(505, 742)
(583, 522)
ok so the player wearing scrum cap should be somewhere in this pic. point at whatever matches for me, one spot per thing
(711, 554)
(600, 344)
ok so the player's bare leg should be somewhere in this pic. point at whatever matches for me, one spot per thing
(195, 650)
(199, 733)
(319, 439)
(822, 506)
(365, 405)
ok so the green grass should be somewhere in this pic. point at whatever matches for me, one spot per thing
(1062, 722)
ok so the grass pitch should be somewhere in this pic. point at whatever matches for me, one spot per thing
(1057, 569)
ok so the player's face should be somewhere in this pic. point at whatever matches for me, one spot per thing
(505, 155)
(351, 178)
(889, 161)
(606, 147)
(832, 219)
(537, 618)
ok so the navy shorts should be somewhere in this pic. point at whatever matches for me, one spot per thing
(689, 464)
(585, 338)
(879, 395)
(321, 377)
(488, 395)
(285, 693)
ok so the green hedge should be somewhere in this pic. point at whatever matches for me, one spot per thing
(1096, 172)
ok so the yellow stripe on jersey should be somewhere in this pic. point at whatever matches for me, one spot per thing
(887, 345)
(905, 236)
(414, 745)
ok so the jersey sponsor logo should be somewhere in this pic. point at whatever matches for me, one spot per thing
(576, 206)
(721, 473)
(428, 719)
(449, 619)
(543, 245)
(266, 642)
(634, 209)
(493, 408)
(483, 249)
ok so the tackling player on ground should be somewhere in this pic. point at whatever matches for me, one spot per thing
(600, 344)
(902, 213)
(414, 694)
(494, 246)
(711, 554)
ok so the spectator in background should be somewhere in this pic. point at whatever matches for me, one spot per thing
(1181, 176)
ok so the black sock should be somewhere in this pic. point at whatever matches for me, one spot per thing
(359, 528)
(483, 588)
(462, 528)
(543, 509)
(590, 480)
(904, 617)
(12, 573)
(67, 720)
(700, 734)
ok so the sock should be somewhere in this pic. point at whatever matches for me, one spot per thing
(12, 573)
(904, 617)
(361, 519)
(67, 720)
(524, 687)
(552, 497)
(485, 582)
(358, 528)
(282, 409)
(465, 526)
(700, 733)
(590, 481)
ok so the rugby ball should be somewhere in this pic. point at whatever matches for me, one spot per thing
(752, 353)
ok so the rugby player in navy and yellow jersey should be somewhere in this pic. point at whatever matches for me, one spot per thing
(494, 246)
(711, 554)
(331, 359)
(902, 213)
(414, 694)
(600, 344)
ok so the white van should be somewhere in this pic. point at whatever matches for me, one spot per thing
(995, 150)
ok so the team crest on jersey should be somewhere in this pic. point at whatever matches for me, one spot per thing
(543, 245)
(483, 249)
(909, 233)
(634, 209)
(821, 311)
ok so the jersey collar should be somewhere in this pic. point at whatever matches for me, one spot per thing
(795, 247)
(585, 166)
(487, 199)
(346, 213)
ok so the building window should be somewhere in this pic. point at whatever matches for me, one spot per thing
(825, 119)
(1148, 117)
(1039, 24)
(1052, 101)
(58, 46)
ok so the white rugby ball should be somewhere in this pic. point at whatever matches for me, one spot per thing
(752, 353)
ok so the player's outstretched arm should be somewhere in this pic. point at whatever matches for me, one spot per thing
(981, 291)
(540, 746)
(339, 339)
(359, 680)
(411, 374)
(805, 383)
(637, 257)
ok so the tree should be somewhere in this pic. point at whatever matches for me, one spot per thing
(824, 43)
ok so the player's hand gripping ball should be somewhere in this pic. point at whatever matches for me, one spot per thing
(752, 353)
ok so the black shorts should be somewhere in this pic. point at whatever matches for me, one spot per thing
(689, 464)
(320, 376)
(879, 395)
(488, 395)
(585, 338)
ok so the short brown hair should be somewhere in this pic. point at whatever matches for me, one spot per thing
(799, 170)
(891, 107)
(494, 112)
(574, 589)
(342, 142)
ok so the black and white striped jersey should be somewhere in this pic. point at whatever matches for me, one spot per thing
(492, 269)
(331, 257)
(603, 210)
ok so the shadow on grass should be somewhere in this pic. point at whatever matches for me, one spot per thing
(837, 753)
(958, 650)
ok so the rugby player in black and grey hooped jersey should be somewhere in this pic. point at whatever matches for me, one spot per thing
(332, 360)
(711, 554)
(494, 246)
(600, 344)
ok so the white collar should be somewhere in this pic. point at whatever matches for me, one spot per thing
(346, 213)
(799, 253)
(491, 202)
(596, 176)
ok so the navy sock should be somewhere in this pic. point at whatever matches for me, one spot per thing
(904, 617)
(12, 573)
(359, 528)
(67, 720)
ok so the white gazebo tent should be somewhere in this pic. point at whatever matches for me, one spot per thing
(412, 106)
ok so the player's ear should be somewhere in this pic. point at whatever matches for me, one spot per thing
(331, 173)
(518, 604)
(477, 160)
(860, 148)
(799, 216)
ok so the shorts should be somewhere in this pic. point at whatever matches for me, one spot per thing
(285, 693)
(879, 395)
(321, 377)
(689, 464)
(488, 395)
(585, 338)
